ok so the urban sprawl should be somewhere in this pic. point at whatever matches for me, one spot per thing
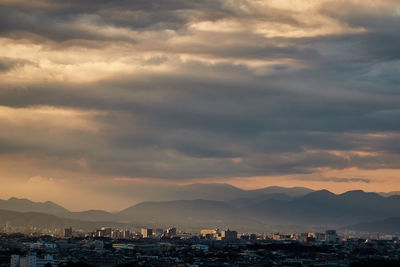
(107, 247)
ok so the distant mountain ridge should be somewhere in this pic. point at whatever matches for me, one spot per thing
(388, 194)
(316, 208)
(255, 209)
(217, 191)
(387, 226)
(324, 207)
(25, 205)
(214, 191)
(49, 221)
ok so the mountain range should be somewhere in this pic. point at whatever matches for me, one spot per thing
(261, 210)
(49, 221)
(387, 226)
(25, 205)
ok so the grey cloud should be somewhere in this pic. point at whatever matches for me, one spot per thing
(382, 18)
(7, 64)
(59, 21)
(213, 120)
(351, 180)
(339, 180)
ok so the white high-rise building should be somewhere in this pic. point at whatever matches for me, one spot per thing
(30, 260)
(14, 262)
(146, 232)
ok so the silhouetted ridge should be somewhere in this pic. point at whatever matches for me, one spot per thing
(319, 195)
(315, 208)
(25, 205)
(388, 226)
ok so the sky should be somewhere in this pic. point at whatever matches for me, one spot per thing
(101, 101)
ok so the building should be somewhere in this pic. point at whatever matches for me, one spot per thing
(210, 234)
(146, 232)
(99, 233)
(316, 237)
(126, 234)
(158, 232)
(7, 228)
(14, 261)
(48, 259)
(31, 260)
(229, 235)
(331, 236)
(170, 232)
(116, 234)
(28, 261)
(67, 232)
(279, 236)
(107, 231)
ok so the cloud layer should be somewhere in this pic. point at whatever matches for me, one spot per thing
(181, 90)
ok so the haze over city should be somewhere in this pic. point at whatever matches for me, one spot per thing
(104, 104)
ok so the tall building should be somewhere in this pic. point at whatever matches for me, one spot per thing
(99, 233)
(107, 231)
(48, 259)
(28, 261)
(146, 232)
(331, 236)
(7, 228)
(126, 234)
(116, 234)
(68, 232)
(228, 235)
(31, 260)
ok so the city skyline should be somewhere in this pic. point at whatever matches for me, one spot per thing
(104, 101)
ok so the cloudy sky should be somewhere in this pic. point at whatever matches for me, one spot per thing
(102, 99)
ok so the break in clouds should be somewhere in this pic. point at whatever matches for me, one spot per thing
(182, 90)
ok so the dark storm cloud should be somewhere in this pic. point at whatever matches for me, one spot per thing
(60, 20)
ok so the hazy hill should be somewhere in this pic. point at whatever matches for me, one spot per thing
(388, 226)
(252, 209)
(91, 215)
(289, 191)
(316, 209)
(213, 191)
(388, 194)
(25, 205)
(207, 191)
(229, 192)
(48, 221)
(325, 208)
(193, 213)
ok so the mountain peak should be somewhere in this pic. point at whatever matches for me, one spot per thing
(320, 194)
(18, 199)
(353, 192)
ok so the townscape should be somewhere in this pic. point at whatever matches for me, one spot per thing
(107, 247)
